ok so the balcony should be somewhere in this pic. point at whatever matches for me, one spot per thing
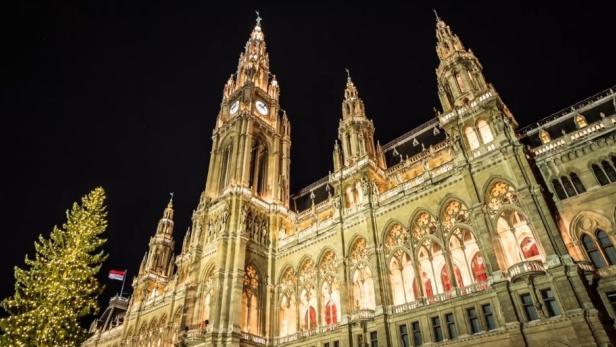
(586, 266)
(362, 315)
(253, 338)
(473, 288)
(526, 268)
(407, 306)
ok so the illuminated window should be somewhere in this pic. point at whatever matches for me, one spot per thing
(471, 138)
(544, 136)
(485, 131)
(580, 121)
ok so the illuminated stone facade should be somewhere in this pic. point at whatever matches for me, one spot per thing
(463, 231)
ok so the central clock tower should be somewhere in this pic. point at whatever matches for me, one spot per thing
(252, 134)
(245, 202)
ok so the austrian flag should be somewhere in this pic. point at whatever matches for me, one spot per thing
(117, 275)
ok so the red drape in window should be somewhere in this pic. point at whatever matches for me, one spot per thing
(529, 247)
(330, 313)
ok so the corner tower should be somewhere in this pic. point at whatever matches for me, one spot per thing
(472, 109)
(358, 161)
(158, 263)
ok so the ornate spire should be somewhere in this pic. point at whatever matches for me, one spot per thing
(253, 66)
(165, 224)
(352, 105)
(447, 42)
(168, 213)
(459, 75)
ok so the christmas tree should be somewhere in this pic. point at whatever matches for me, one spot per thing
(58, 287)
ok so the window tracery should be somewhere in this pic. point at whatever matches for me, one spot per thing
(397, 236)
(500, 194)
(454, 212)
(425, 224)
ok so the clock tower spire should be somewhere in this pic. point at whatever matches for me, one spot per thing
(252, 134)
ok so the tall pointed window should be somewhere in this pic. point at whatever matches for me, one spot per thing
(471, 137)
(250, 301)
(485, 131)
(307, 295)
(363, 284)
(225, 168)
(600, 175)
(330, 294)
(579, 187)
(593, 252)
(568, 186)
(609, 170)
(258, 167)
(606, 246)
(287, 314)
(558, 189)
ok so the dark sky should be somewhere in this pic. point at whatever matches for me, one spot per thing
(124, 94)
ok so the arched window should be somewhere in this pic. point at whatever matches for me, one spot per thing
(606, 246)
(558, 189)
(402, 278)
(600, 175)
(308, 297)
(593, 252)
(208, 291)
(250, 301)
(471, 138)
(485, 131)
(609, 170)
(287, 315)
(568, 186)
(363, 289)
(330, 294)
(225, 168)
(579, 187)
(363, 284)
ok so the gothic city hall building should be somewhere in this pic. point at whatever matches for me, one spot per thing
(467, 230)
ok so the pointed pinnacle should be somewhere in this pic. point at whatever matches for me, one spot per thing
(258, 18)
(348, 74)
(436, 14)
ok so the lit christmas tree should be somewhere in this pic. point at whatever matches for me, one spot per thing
(58, 287)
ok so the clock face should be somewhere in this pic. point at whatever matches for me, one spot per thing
(234, 107)
(261, 107)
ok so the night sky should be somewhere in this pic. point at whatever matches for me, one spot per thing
(124, 94)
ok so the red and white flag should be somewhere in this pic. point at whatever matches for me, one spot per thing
(117, 275)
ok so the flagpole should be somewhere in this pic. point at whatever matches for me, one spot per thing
(123, 279)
